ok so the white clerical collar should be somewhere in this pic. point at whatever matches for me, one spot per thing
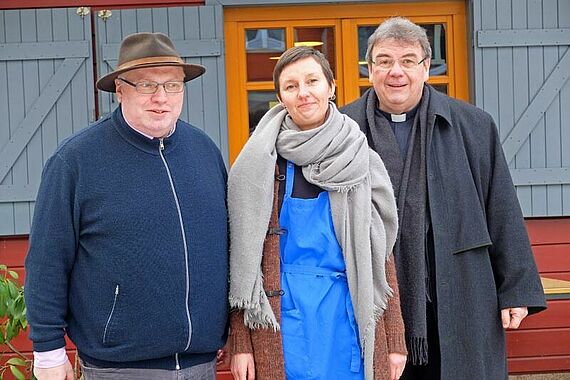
(398, 118)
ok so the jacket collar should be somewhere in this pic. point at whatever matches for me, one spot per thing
(137, 139)
(439, 104)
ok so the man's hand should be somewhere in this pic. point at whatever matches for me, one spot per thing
(62, 372)
(243, 367)
(397, 364)
(222, 357)
(512, 317)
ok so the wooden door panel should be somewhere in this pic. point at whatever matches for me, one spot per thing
(47, 56)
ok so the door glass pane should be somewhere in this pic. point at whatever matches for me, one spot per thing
(363, 33)
(321, 39)
(436, 37)
(259, 102)
(263, 48)
(363, 89)
(441, 87)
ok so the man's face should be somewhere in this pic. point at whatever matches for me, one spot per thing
(152, 114)
(399, 89)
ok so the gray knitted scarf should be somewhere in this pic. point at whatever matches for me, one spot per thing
(335, 157)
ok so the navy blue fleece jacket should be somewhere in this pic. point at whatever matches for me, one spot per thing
(128, 248)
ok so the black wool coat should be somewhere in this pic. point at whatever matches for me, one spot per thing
(483, 259)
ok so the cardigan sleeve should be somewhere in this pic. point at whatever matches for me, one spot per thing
(51, 255)
(393, 322)
(240, 334)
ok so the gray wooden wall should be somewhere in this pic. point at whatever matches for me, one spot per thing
(521, 69)
(45, 95)
(47, 85)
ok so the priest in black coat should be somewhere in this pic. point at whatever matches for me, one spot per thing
(465, 267)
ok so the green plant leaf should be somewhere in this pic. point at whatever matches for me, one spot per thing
(13, 289)
(17, 373)
(16, 361)
(10, 305)
(13, 274)
(18, 311)
(3, 267)
(12, 330)
(3, 289)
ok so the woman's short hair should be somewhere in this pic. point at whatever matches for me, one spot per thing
(297, 53)
(402, 30)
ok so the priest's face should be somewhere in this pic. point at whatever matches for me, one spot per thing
(398, 73)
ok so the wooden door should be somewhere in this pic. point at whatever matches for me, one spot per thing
(256, 37)
(45, 95)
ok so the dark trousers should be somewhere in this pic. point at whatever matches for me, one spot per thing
(432, 370)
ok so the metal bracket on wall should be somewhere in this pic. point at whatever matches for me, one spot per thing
(104, 14)
(82, 11)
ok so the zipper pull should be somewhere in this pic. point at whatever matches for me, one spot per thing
(177, 362)
(161, 143)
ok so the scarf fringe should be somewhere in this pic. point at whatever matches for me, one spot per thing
(240, 303)
(377, 314)
(254, 317)
(258, 320)
(417, 350)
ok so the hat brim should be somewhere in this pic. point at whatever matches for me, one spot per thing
(191, 71)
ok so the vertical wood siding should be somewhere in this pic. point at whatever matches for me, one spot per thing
(46, 93)
(521, 69)
(543, 341)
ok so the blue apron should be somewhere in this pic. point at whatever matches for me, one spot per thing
(320, 336)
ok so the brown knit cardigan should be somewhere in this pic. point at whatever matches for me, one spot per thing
(266, 345)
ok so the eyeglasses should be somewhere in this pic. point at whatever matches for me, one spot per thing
(149, 87)
(386, 63)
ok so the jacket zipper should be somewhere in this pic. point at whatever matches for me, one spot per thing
(111, 313)
(160, 150)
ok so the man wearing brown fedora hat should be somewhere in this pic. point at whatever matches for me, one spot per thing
(128, 247)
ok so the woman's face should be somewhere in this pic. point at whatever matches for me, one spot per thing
(305, 93)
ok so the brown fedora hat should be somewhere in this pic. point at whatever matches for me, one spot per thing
(147, 50)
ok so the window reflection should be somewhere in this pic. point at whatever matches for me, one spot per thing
(259, 102)
(436, 36)
(441, 88)
(363, 33)
(263, 47)
(320, 38)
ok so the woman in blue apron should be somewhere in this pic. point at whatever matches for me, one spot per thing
(320, 338)
(313, 223)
